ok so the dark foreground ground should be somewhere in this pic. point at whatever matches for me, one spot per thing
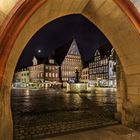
(48, 113)
(114, 132)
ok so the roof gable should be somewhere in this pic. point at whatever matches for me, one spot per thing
(97, 53)
(104, 50)
(73, 50)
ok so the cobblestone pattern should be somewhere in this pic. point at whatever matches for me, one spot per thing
(35, 117)
(52, 127)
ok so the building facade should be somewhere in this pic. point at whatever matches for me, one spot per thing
(85, 75)
(45, 74)
(71, 63)
(21, 78)
(101, 67)
(36, 73)
(52, 71)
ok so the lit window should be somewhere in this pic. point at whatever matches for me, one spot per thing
(41, 74)
(46, 74)
(49, 74)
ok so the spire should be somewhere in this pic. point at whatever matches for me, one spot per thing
(34, 61)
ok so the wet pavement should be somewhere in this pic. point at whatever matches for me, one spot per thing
(51, 112)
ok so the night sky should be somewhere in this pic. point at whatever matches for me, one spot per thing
(57, 33)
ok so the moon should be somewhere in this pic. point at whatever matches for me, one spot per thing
(39, 51)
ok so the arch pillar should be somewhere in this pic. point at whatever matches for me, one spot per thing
(6, 123)
(131, 108)
(121, 33)
(121, 96)
(110, 19)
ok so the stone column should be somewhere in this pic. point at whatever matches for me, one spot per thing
(6, 124)
(121, 91)
(128, 97)
(131, 107)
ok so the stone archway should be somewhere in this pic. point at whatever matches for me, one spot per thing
(119, 25)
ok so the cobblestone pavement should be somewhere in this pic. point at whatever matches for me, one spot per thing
(47, 113)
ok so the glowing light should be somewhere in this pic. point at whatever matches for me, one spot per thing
(39, 51)
(27, 92)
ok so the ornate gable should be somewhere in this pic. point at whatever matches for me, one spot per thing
(74, 49)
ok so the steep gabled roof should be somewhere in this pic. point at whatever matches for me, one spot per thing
(69, 48)
(73, 50)
(105, 50)
(42, 60)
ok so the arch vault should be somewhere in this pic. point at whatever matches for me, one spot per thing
(117, 19)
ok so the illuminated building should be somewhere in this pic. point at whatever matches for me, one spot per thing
(85, 75)
(101, 67)
(70, 61)
(46, 72)
(21, 78)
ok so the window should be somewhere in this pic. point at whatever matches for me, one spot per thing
(89, 64)
(46, 74)
(53, 68)
(106, 61)
(50, 74)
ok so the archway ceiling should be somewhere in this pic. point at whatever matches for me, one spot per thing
(5, 7)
